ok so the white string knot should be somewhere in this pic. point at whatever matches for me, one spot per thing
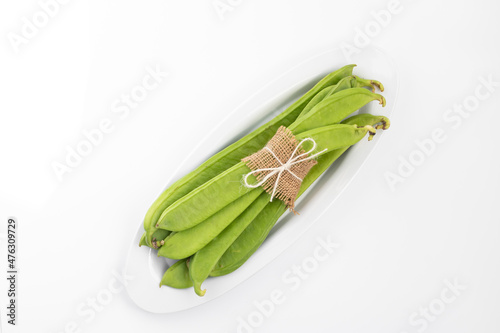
(284, 166)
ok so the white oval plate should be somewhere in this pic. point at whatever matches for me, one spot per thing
(147, 268)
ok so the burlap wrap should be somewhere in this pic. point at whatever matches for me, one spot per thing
(282, 144)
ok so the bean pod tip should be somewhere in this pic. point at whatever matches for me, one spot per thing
(382, 100)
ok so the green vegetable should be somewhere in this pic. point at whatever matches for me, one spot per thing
(231, 156)
(348, 82)
(253, 236)
(142, 241)
(158, 236)
(177, 276)
(335, 108)
(205, 260)
(200, 203)
(185, 243)
(212, 223)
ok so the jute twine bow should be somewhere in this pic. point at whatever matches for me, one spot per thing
(281, 180)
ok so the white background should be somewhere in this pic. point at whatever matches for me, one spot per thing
(397, 246)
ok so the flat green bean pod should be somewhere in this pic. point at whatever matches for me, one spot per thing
(333, 109)
(177, 276)
(352, 81)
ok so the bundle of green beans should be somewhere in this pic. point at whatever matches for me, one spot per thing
(212, 224)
